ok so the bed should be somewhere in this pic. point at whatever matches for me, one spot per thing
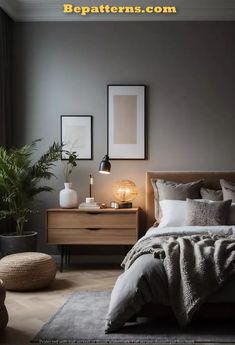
(141, 289)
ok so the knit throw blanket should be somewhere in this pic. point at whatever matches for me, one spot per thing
(196, 266)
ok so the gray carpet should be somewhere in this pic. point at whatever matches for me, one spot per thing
(81, 320)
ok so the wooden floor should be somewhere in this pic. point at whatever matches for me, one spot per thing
(29, 311)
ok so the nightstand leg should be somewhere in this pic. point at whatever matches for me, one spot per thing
(69, 254)
(62, 258)
(65, 254)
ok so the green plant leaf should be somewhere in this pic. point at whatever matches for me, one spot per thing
(21, 179)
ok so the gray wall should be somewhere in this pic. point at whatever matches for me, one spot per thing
(64, 68)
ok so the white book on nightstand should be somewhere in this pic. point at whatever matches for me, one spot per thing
(90, 206)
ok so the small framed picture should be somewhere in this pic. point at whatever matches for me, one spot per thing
(126, 122)
(76, 135)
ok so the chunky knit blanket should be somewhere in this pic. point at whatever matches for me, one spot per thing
(195, 267)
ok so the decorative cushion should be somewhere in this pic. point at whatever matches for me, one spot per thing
(206, 212)
(27, 271)
(173, 213)
(170, 190)
(211, 194)
(228, 189)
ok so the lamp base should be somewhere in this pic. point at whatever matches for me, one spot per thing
(125, 204)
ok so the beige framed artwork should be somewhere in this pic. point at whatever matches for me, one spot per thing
(76, 135)
(126, 121)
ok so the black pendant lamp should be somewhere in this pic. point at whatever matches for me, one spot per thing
(105, 165)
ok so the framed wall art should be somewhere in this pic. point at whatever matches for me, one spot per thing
(126, 122)
(76, 135)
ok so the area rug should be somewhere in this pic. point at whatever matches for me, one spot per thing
(81, 320)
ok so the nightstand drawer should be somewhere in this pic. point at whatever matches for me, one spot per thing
(91, 236)
(81, 220)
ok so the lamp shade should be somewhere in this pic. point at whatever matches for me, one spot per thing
(124, 191)
(105, 166)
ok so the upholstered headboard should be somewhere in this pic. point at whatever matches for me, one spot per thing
(211, 181)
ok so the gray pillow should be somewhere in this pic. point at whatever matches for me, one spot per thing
(211, 194)
(228, 189)
(206, 212)
(170, 190)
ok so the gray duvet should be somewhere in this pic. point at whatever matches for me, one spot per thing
(181, 269)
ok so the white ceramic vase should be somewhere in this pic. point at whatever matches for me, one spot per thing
(68, 196)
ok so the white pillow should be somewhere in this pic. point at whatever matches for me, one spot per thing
(173, 213)
(231, 217)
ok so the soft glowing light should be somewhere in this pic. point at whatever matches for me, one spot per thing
(124, 190)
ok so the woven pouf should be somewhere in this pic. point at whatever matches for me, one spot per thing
(27, 271)
(3, 309)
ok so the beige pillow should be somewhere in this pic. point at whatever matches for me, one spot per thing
(211, 194)
(228, 189)
(206, 212)
(170, 190)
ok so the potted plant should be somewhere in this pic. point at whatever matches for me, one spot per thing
(20, 181)
(70, 164)
(68, 196)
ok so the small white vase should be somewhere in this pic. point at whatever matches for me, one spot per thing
(68, 196)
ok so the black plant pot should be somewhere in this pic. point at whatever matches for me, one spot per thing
(12, 243)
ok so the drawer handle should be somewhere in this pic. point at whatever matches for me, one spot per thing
(93, 228)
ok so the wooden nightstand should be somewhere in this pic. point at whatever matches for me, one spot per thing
(67, 227)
